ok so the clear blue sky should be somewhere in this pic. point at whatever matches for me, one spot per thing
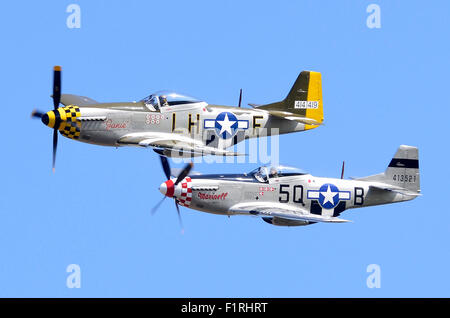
(381, 88)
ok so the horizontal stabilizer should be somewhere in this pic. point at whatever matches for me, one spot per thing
(395, 189)
(295, 117)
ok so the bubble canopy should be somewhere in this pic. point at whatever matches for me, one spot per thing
(168, 98)
(263, 173)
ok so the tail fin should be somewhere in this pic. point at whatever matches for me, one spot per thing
(304, 98)
(402, 171)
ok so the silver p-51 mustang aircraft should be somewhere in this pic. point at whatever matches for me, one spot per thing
(178, 125)
(288, 197)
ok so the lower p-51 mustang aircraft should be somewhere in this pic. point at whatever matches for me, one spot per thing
(288, 197)
(178, 125)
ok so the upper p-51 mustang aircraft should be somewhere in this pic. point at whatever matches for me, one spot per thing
(176, 125)
(288, 197)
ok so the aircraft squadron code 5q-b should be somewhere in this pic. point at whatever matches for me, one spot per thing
(178, 125)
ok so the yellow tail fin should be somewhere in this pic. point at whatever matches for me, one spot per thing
(304, 98)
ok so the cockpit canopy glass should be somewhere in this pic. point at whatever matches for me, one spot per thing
(167, 98)
(262, 174)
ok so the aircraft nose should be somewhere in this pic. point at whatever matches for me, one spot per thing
(49, 119)
(167, 188)
(45, 119)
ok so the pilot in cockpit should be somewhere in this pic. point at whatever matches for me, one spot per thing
(273, 172)
(159, 100)
(163, 101)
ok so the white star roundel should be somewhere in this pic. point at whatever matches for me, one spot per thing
(329, 195)
(226, 124)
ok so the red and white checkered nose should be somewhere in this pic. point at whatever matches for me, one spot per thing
(167, 188)
(182, 191)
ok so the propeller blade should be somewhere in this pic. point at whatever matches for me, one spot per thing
(55, 146)
(56, 100)
(179, 216)
(37, 114)
(177, 171)
(56, 86)
(184, 173)
(178, 208)
(156, 207)
(166, 166)
(342, 172)
(240, 98)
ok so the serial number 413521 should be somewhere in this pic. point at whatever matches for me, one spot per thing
(404, 178)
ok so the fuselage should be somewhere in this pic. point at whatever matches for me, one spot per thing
(176, 125)
(216, 126)
(322, 196)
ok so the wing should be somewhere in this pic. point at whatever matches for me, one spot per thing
(283, 211)
(173, 142)
(69, 99)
